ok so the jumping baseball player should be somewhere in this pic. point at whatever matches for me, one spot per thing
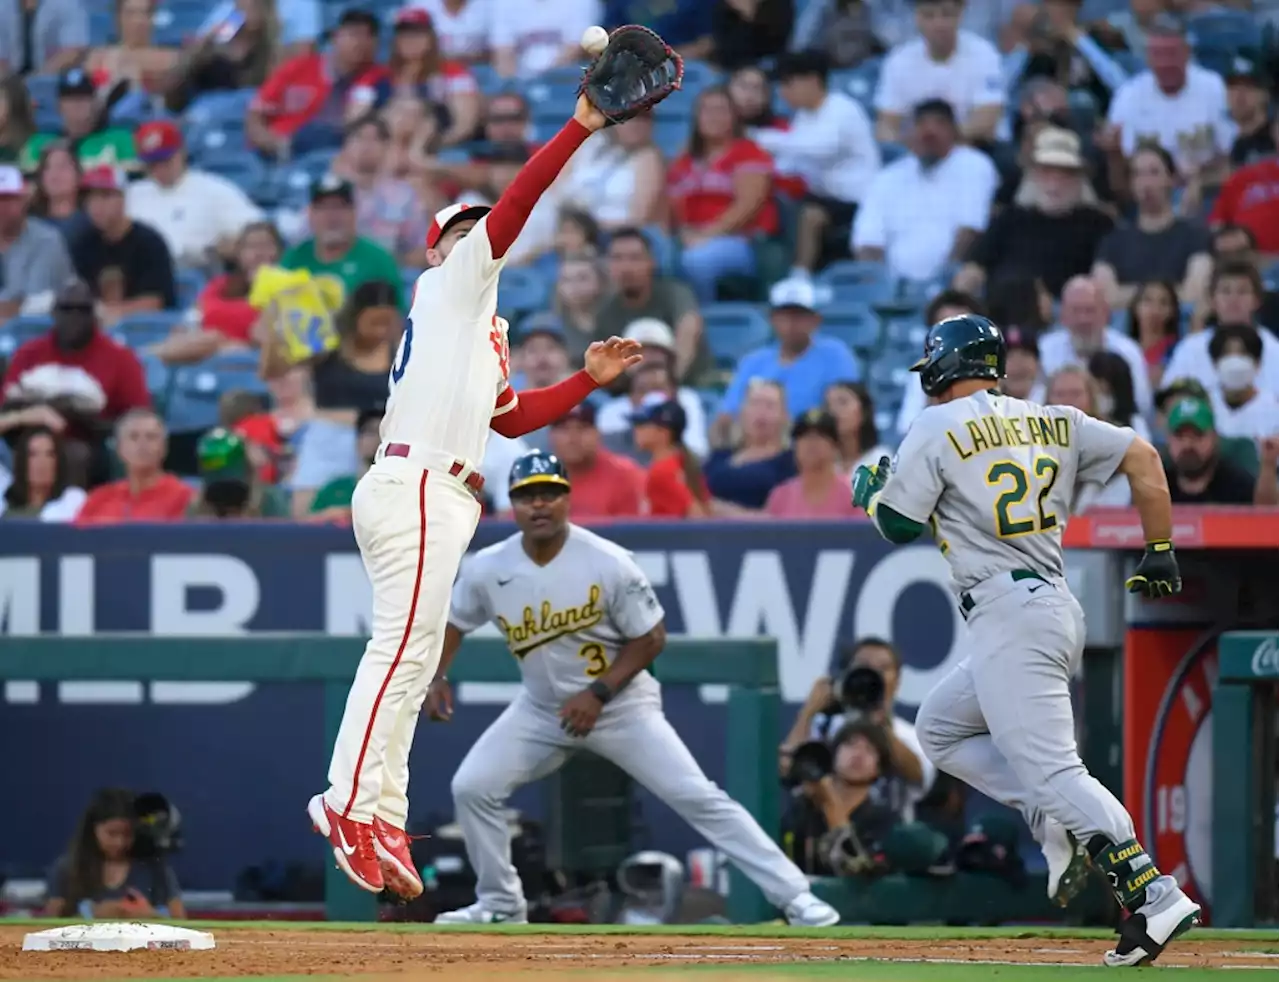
(994, 479)
(583, 621)
(416, 509)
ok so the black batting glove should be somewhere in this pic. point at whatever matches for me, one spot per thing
(1156, 574)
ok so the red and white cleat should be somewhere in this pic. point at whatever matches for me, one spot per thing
(352, 844)
(398, 872)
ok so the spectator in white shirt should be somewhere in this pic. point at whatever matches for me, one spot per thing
(198, 214)
(1240, 408)
(1177, 105)
(943, 63)
(528, 37)
(1085, 318)
(1235, 295)
(463, 28)
(832, 146)
(924, 211)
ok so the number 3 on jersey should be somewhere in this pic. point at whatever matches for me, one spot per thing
(406, 348)
(1016, 484)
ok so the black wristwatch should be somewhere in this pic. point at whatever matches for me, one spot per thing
(601, 691)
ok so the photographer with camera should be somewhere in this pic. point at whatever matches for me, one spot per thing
(116, 865)
(833, 824)
(865, 689)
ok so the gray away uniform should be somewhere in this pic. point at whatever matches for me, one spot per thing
(565, 623)
(995, 478)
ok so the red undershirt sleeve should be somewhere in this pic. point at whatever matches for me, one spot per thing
(516, 414)
(512, 210)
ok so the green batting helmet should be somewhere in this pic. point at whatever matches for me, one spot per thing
(537, 467)
(968, 346)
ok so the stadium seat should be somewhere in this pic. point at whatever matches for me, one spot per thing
(1082, 107)
(102, 27)
(196, 389)
(859, 83)
(889, 152)
(671, 132)
(1271, 277)
(244, 168)
(664, 249)
(553, 93)
(190, 283)
(292, 182)
(138, 331)
(853, 323)
(176, 21)
(521, 291)
(43, 90)
(1221, 32)
(734, 329)
(215, 138)
(858, 280)
(158, 378)
(228, 107)
(17, 331)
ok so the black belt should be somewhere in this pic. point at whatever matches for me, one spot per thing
(1018, 575)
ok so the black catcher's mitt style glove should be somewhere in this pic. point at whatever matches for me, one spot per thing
(1156, 574)
(634, 73)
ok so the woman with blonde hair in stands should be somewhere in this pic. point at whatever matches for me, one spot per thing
(741, 474)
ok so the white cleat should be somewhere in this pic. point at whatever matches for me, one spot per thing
(478, 913)
(1068, 863)
(1167, 914)
(808, 911)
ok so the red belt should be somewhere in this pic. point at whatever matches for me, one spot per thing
(473, 480)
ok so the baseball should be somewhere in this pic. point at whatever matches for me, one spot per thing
(594, 40)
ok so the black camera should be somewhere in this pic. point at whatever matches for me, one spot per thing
(859, 690)
(811, 761)
(158, 826)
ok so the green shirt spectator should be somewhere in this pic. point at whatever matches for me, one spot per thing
(336, 494)
(334, 249)
(84, 124)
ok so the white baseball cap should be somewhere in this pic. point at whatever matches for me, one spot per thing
(794, 293)
(451, 215)
(652, 333)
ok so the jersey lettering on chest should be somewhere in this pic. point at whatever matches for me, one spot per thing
(501, 347)
(534, 629)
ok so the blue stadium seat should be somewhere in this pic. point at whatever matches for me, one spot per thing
(244, 168)
(889, 152)
(521, 291)
(196, 389)
(17, 331)
(215, 138)
(158, 378)
(671, 132)
(1271, 277)
(664, 249)
(853, 323)
(1219, 32)
(859, 83)
(905, 333)
(553, 93)
(858, 280)
(1082, 107)
(488, 79)
(140, 330)
(733, 330)
(176, 21)
(227, 107)
(43, 90)
(292, 182)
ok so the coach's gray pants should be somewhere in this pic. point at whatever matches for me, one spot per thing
(1001, 721)
(526, 743)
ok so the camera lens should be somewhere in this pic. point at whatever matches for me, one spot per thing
(862, 689)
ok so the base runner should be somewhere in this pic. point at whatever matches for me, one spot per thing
(995, 477)
(416, 509)
(585, 625)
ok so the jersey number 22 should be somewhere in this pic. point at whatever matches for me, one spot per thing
(1016, 483)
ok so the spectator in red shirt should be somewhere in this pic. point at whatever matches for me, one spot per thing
(226, 316)
(146, 493)
(719, 193)
(1249, 198)
(84, 379)
(605, 485)
(674, 485)
(418, 69)
(306, 102)
(820, 490)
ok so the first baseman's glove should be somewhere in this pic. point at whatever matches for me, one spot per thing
(635, 72)
(1156, 574)
(867, 482)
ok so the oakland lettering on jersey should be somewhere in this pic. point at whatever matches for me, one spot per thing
(990, 431)
(534, 631)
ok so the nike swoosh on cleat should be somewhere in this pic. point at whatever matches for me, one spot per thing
(342, 843)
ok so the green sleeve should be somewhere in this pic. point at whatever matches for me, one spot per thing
(336, 494)
(29, 156)
(895, 527)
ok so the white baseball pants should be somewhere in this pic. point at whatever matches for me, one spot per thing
(413, 528)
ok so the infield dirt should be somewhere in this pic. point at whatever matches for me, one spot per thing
(471, 957)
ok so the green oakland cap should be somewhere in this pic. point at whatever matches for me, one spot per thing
(221, 456)
(1189, 411)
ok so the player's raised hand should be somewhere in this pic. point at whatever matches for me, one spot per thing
(606, 360)
(439, 701)
(588, 115)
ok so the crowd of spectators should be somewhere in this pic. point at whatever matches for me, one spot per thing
(1100, 178)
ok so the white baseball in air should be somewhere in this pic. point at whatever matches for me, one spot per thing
(595, 40)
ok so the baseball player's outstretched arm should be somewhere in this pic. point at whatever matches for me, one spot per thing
(1149, 488)
(513, 208)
